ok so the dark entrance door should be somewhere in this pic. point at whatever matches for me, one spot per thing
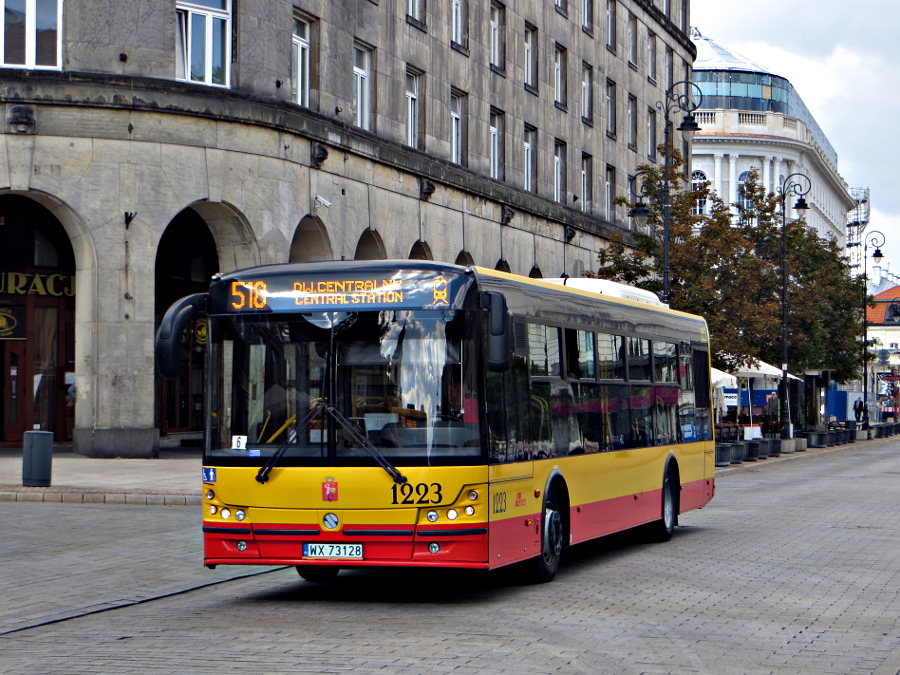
(185, 263)
(14, 395)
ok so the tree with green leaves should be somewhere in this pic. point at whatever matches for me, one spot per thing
(726, 266)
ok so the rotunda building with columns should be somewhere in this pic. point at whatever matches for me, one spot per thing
(750, 119)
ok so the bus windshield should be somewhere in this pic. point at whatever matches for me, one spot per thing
(318, 387)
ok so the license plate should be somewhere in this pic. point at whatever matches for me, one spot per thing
(342, 551)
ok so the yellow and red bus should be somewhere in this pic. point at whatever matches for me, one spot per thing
(419, 414)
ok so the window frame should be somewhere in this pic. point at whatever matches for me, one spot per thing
(496, 121)
(413, 107)
(459, 23)
(611, 104)
(31, 45)
(587, 92)
(301, 62)
(530, 163)
(458, 126)
(362, 87)
(651, 134)
(560, 150)
(185, 11)
(531, 62)
(587, 180)
(560, 72)
(497, 44)
(611, 18)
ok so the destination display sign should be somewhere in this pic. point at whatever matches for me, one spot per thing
(405, 289)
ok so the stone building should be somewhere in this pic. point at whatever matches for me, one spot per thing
(149, 145)
(753, 119)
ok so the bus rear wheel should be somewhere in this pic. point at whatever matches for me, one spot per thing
(547, 563)
(318, 572)
(662, 529)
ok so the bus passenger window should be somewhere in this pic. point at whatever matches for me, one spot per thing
(610, 357)
(543, 349)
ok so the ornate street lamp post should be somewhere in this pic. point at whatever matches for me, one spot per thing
(796, 184)
(874, 238)
(687, 97)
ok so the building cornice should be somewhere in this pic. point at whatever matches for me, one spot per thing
(169, 97)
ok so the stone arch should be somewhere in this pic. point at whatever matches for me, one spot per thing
(536, 273)
(311, 242)
(40, 264)
(465, 259)
(503, 266)
(186, 259)
(236, 245)
(420, 251)
(86, 300)
(370, 246)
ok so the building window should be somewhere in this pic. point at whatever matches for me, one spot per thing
(587, 92)
(632, 122)
(698, 178)
(362, 87)
(587, 15)
(683, 19)
(496, 147)
(559, 171)
(300, 63)
(561, 6)
(498, 22)
(745, 203)
(651, 133)
(587, 180)
(531, 57)
(632, 40)
(667, 8)
(651, 57)
(415, 9)
(203, 42)
(610, 108)
(413, 109)
(611, 25)
(458, 127)
(530, 158)
(459, 22)
(31, 36)
(610, 192)
(559, 75)
(670, 68)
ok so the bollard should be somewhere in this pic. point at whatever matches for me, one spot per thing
(37, 458)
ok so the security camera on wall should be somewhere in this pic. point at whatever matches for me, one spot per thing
(324, 202)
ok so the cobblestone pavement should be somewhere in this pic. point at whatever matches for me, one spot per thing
(793, 568)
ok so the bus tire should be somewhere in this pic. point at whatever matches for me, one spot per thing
(318, 572)
(661, 530)
(547, 563)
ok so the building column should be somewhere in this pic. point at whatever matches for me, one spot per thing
(732, 180)
(717, 174)
(767, 174)
(776, 175)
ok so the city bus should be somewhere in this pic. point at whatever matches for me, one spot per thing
(419, 414)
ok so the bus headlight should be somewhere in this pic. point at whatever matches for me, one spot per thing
(225, 513)
(240, 514)
(213, 509)
(210, 495)
(473, 495)
(434, 547)
(452, 514)
(242, 546)
(432, 516)
(470, 510)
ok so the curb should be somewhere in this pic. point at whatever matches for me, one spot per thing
(17, 493)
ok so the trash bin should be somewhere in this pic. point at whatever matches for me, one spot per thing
(37, 458)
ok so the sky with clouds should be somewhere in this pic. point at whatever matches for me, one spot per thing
(843, 58)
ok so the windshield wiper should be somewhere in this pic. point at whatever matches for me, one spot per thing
(353, 432)
(263, 474)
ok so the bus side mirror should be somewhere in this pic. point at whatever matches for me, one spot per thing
(168, 337)
(499, 333)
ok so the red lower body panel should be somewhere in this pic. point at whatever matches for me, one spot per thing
(399, 546)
